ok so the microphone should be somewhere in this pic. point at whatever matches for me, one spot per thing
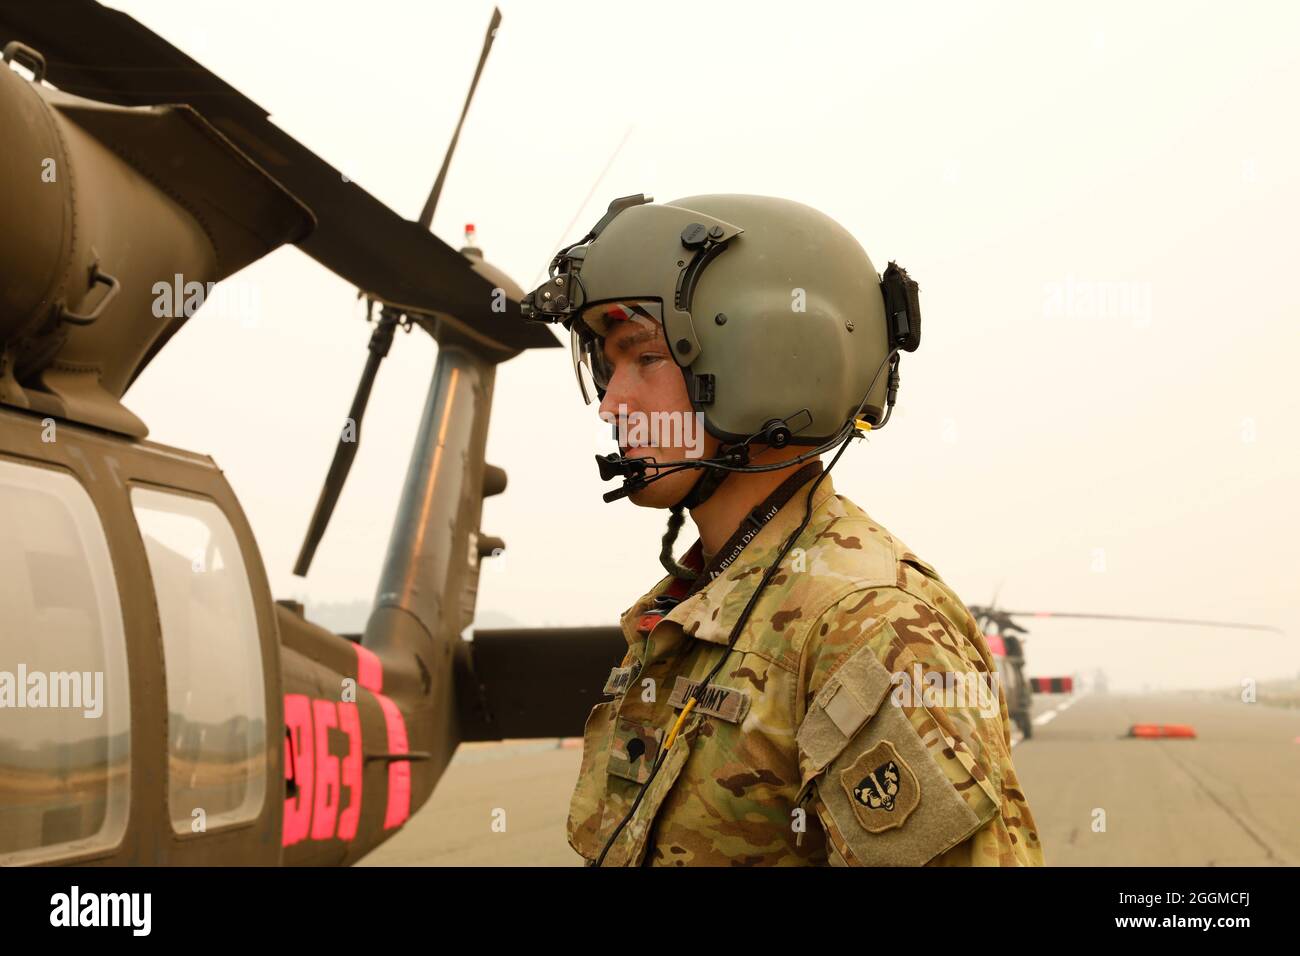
(629, 486)
(632, 471)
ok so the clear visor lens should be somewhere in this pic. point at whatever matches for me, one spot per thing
(587, 341)
(589, 365)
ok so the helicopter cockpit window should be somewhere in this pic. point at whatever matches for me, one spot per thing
(216, 700)
(64, 698)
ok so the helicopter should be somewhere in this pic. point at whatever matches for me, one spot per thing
(1005, 639)
(159, 705)
(163, 707)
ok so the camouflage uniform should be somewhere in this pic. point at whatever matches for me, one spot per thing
(812, 750)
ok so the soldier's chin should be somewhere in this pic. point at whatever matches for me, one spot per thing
(664, 493)
(651, 496)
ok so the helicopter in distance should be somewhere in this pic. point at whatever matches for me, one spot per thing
(1006, 638)
(161, 707)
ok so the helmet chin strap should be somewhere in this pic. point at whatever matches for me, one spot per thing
(705, 485)
(703, 489)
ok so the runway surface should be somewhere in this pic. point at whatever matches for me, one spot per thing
(1230, 797)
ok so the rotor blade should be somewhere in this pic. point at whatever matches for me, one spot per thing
(380, 341)
(1150, 620)
(985, 616)
(103, 54)
(430, 204)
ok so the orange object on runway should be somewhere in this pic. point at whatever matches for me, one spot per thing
(1162, 730)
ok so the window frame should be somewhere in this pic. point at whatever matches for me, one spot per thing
(72, 852)
(255, 818)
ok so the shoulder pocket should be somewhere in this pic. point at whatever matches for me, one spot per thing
(886, 799)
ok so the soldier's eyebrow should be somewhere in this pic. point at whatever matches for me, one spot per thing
(632, 341)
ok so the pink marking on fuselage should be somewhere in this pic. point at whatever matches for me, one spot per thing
(325, 808)
(350, 724)
(370, 675)
(297, 809)
(370, 672)
(399, 771)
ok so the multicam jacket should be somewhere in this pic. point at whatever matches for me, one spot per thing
(836, 732)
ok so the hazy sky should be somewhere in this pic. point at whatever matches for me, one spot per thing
(1099, 203)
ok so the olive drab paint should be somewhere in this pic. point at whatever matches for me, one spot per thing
(133, 195)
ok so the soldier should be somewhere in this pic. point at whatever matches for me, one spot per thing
(801, 688)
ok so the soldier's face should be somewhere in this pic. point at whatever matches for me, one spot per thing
(646, 396)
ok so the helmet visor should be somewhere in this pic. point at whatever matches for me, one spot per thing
(587, 340)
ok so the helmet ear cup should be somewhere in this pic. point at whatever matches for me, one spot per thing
(902, 308)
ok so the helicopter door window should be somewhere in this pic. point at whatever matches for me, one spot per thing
(216, 700)
(64, 700)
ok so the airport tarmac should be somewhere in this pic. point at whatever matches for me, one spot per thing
(1229, 797)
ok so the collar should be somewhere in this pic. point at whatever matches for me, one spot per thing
(753, 523)
(709, 608)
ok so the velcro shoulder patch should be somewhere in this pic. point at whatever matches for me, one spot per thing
(725, 703)
(883, 797)
(851, 697)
